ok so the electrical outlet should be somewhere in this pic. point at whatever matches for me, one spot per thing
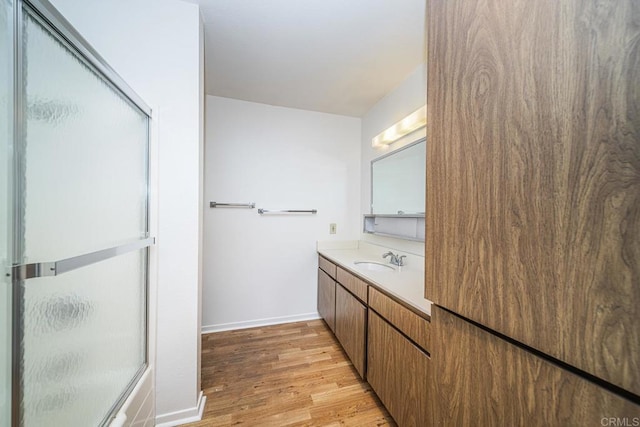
(332, 228)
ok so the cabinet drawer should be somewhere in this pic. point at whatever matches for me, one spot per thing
(414, 326)
(353, 284)
(327, 266)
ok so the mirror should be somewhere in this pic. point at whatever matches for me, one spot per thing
(398, 181)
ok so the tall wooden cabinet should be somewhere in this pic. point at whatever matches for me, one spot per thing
(533, 176)
(483, 380)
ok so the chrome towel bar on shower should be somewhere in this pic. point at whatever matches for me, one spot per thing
(56, 268)
(310, 211)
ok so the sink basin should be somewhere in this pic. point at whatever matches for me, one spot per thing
(373, 266)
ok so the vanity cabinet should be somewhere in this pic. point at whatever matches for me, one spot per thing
(351, 317)
(387, 341)
(398, 362)
(342, 305)
(351, 324)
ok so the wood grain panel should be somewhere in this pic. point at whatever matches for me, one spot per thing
(357, 286)
(485, 381)
(399, 373)
(327, 266)
(414, 326)
(533, 175)
(327, 299)
(351, 324)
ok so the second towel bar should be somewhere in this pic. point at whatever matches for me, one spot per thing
(311, 211)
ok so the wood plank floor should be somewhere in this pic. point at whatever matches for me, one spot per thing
(294, 374)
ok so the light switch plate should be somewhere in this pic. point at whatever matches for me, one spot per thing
(332, 228)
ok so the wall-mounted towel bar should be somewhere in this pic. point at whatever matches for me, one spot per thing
(231, 205)
(310, 211)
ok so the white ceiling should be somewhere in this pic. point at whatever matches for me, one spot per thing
(334, 56)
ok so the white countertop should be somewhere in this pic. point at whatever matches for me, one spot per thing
(405, 283)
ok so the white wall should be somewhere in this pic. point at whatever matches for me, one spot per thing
(262, 269)
(155, 46)
(410, 95)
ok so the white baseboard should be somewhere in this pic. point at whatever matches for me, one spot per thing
(259, 322)
(183, 417)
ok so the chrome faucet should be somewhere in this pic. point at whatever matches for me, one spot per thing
(395, 259)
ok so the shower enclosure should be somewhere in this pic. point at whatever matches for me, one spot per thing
(74, 234)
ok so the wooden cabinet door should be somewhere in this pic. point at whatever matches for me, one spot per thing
(351, 323)
(398, 372)
(533, 175)
(327, 299)
(483, 380)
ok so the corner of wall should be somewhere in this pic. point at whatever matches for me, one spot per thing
(184, 416)
(201, 204)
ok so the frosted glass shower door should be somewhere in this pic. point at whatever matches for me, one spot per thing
(82, 235)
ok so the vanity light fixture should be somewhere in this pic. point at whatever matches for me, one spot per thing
(411, 123)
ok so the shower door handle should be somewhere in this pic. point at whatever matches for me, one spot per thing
(55, 268)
